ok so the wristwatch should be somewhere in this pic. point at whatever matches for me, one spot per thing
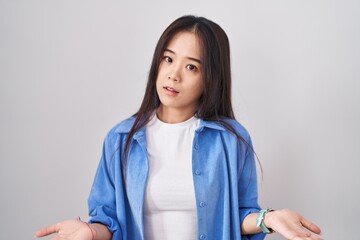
(260, 220)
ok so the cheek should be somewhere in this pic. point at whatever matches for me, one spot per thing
(157, 85)
(159, 76)
(161, 70)
(200, 87)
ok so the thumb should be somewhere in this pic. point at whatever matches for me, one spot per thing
(47, 231)
(310, 226)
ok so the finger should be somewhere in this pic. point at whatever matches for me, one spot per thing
(47, 231)
(310, 226)
(313, 237)
(304, 235)
(57, 238)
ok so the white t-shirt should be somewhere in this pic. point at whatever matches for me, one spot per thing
(170, 206)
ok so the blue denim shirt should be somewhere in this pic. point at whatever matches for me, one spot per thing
(224, 178)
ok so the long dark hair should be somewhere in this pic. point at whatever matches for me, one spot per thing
(215, 102)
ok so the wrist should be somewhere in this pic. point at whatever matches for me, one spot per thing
(262, 220)
(268, 219)
(92, 230)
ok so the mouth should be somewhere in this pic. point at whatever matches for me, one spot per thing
(171, 90)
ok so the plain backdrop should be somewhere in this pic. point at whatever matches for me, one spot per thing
(70, 70)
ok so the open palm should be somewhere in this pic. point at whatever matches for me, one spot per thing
(73, 229)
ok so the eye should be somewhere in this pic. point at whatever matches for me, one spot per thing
(167, 59)
(191, 67)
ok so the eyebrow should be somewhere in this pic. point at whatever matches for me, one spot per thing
(191, 58)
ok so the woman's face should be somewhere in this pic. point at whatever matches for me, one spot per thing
(179, 83)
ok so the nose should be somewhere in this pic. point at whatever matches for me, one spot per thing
(174, 73)
(173, 78)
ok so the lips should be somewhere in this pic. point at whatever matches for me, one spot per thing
(171, 90)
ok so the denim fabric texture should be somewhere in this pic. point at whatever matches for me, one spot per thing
(224, 175)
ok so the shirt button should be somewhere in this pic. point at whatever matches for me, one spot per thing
(196, 146)
(197, 172)
(202, 204)
(202, 236)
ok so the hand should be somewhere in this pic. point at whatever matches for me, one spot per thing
(73, 229)
(292, 225)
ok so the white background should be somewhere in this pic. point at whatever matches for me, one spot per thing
(70, 70)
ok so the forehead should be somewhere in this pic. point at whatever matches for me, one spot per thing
(185, 43)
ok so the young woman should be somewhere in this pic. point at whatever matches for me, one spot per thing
(182, 167)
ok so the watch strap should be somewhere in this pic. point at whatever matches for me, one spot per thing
(260, 220)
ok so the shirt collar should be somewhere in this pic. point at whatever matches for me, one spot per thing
(210, 124)
(125, 126)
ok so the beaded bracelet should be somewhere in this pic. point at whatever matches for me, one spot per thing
(92, 233)
(87, 224)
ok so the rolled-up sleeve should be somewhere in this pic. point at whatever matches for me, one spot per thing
(102, 200)
(247, 183)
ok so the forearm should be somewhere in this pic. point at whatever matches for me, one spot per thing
(100, 231)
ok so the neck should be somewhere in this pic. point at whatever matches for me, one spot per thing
(173, 115)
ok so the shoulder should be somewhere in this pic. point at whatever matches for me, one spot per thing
(239, 128)
(120, 129)
(124, 126)
(225, 126)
